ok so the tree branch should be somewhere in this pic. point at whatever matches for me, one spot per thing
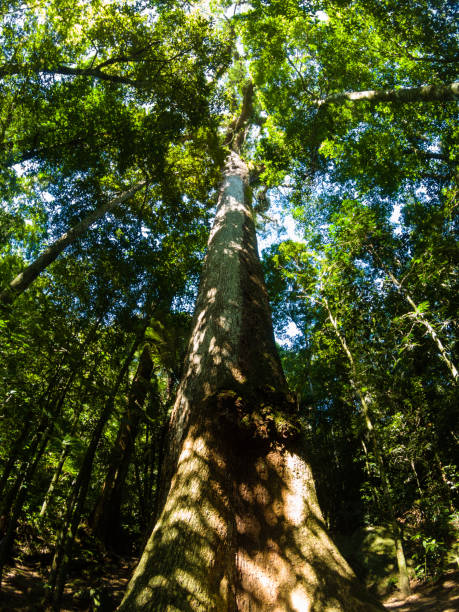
(403, 95)
(426, 154)
(235, 135)
(13, 69)
(23, 280)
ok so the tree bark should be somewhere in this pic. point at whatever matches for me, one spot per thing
(23, 280)
(403, 95)
(239, 527)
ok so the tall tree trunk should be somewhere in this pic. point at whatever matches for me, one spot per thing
(240, 527)
(105, 519)
(23, 280)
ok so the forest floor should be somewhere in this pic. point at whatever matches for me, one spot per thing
(440, 596)
(23, 589)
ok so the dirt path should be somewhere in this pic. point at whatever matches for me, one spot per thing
(442, 596)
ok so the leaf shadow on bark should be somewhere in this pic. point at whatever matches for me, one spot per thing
(242, 531)
(240, 528)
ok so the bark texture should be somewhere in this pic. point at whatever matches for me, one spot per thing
(239, 527)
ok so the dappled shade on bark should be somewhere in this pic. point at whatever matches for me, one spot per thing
(240, 527)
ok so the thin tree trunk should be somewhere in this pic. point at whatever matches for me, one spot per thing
(47, 416)
(404, 580)
(67, 448)
(419, 317)
(57, 472)
(75, 506)
(23, 280)
(156, 484)
(15, 512)
(403, 95)
(239, 527)
(444, 479)
(140, 494)
(41, 429)
(14, 500)
(54, 480)
(413, 467)
(15, 452)
(105, 519)
(374, 493)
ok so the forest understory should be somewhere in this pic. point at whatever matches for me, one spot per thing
(98, 584)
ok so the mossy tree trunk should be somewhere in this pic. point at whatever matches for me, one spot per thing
(239, 526)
